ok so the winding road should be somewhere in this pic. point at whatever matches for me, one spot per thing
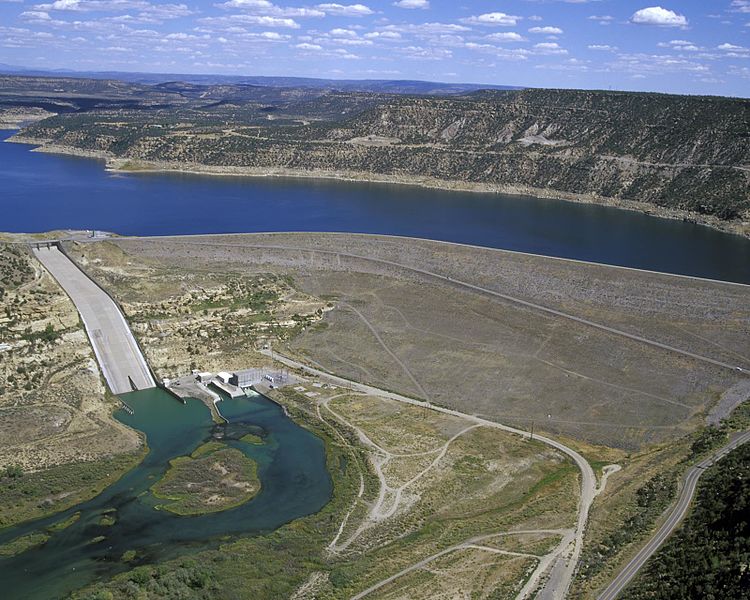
(561, 574)
(690, 482)
(380, 458)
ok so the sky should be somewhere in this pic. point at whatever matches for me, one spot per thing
(676, 46)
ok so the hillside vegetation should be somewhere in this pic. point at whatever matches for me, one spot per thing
(708, 557)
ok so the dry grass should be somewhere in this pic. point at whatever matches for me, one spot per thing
(206, 318)
(491, 357)
(456, 481)
(53, 408)
(463, 575)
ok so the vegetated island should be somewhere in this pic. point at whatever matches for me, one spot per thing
(23, 543)
(213, 478)
(673, 156)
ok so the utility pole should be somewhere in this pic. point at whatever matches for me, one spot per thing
(531, 437)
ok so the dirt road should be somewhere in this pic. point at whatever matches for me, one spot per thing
(558, 582)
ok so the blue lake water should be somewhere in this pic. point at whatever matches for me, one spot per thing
(41, 192)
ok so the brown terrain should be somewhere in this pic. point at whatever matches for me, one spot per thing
(53, 403)
(623, 366)
(511, 357)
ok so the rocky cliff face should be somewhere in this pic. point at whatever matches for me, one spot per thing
(690, 153)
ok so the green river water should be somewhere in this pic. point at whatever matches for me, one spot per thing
(291, 467)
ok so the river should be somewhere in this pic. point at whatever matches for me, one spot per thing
(291, 467)
(42, 192)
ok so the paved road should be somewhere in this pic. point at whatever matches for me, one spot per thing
(679, 511)
(561, 575)
(744, 369)
(116, 350)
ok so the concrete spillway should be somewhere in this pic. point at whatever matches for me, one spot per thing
(118, 354)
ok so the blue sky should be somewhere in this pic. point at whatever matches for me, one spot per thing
(682, 46)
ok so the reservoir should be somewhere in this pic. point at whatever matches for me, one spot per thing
(42, 192)
(291, 467)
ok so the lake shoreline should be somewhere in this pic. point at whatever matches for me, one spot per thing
(115, 164)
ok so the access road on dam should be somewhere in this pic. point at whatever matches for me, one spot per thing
(116, 350)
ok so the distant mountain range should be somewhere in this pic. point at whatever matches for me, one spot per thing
(379, 86)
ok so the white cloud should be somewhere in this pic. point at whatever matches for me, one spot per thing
(509, 36)
(726, 46)
(262, 20)
(493, 18)
(94, 5)
(546, 30)
(267, 21)
(734, 51)
(61, 5)
(383, 35)
(306, 46)
(349, 10)
(549, 48)
(145, 11)
(253, 4)
(682, 45)
(339, 32)
(569, 64)
(21, 37)
(412, 4)
(429, 53)
(661, 17)
(156, 13)
(515, 54)
(342, 53)
(264, 7)
(657, 65)
(356, 42)
(273, 35)
(427, 29)
(35, 15)
(740, 6)
(602, 47)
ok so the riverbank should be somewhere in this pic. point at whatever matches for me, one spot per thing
(123, 527)
(249, 566)
(116, 164)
